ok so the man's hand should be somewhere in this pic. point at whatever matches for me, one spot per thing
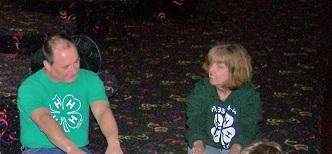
(111, 150)
(108, 127)
(75, 151)
(46, 123)
(198, 148)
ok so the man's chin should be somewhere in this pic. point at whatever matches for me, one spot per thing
(71, 80)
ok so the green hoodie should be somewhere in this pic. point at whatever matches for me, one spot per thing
(221, 124)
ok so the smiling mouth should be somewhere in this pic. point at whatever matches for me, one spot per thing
(211, 76)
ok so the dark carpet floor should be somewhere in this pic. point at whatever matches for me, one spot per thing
(157, 61)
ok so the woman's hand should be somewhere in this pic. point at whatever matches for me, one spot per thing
(235, 149)
(198, 148)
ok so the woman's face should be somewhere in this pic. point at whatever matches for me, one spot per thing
(218, 74)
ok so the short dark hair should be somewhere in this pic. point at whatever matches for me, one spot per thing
(49, 44)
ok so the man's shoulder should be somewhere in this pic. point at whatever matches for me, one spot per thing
(87, 75)
(34, 78)
(86, 72)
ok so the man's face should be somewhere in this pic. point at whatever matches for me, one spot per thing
(66, 64)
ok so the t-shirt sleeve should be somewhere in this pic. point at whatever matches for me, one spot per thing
(96, 89)
(29, 98)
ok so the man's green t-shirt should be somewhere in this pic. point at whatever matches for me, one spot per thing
(69, 104)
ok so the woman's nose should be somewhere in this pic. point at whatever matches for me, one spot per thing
(212, 67)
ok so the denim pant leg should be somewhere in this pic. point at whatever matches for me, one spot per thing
(211, 150)
(49, 151)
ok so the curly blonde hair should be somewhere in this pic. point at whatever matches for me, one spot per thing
(263, 147)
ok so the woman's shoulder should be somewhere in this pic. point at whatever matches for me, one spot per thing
(248, 89)
(204, 86)
(203, 81)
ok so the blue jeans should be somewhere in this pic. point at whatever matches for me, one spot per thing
(49, 151)
(211, 150)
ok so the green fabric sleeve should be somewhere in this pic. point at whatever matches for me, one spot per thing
(247, 122)
(196, 116)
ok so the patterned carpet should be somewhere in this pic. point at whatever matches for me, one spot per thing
(157, 60)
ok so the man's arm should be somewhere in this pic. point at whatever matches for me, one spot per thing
(43, 118)
(104, 116)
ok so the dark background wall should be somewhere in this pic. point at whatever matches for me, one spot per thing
(155, 49)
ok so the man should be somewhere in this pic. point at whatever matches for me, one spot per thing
(54, 103)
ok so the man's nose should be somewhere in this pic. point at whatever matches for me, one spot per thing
(73, 69)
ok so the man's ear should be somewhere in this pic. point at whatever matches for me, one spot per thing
(47, 65)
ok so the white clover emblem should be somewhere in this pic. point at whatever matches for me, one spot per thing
(223, 131)
(66, 112)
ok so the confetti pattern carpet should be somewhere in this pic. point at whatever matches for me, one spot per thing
(157, 60)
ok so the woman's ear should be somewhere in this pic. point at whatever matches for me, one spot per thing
(47, 65)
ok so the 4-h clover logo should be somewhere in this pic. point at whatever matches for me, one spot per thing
(66, 112)
(223, 131)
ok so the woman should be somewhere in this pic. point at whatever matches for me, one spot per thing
(224, 109)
